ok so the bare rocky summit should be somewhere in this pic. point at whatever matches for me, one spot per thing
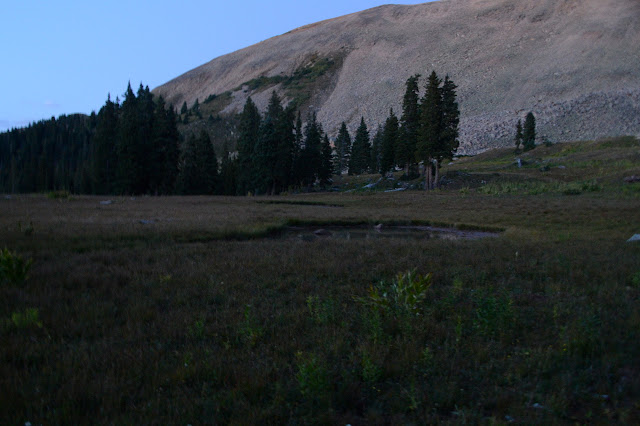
(574, 63)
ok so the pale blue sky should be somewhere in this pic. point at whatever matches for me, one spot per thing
(64, 56)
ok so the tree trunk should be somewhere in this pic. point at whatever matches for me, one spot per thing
(437, 166)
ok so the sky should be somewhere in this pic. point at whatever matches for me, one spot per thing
(64, 57)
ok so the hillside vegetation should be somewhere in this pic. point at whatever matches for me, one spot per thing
(199, 310)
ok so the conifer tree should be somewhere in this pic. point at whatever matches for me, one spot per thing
(529, 132)
(297, 168)
(104, 152)
(360, 151)
(228, 173)
(450, 119)
(311, 156)
(275, 147)
(343, 149)
(198, 166)
(430, 126)
(326, 165)
(409, 124)
(166, 141)
(376, 150)
(249, 133)
(128, 146)
(519, 136)
(389, 143)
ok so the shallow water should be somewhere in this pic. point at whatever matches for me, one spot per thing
(310, 233)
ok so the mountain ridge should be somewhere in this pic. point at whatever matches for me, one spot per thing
(572, 62)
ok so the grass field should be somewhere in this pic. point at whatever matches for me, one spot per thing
(191, 310)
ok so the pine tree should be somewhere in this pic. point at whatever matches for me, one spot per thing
(166, 141)
(128, 165)
(389, 142)
(529, 132)
(430, 126)
(361, 150)
(275, 147)
(228, 173)
(519, 136)
(409, 124)
(326, 166)
(376, 150)
(311, 156)
(343, 149)
(198, 166)
(249, 129)
(297, 168)
(450, 119)
(104, 148)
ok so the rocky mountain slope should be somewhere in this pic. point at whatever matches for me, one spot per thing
(574, 63)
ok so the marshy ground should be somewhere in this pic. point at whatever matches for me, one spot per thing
(180, 310)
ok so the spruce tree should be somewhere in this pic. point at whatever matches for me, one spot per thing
(128, 147)
(326, 165)
(198, 166)
(104, 153)
(228, 173)
(529, 132)
(409, 124)
(166, 141)
(389, 143)
(430, 126)
(361, 150)
(343, 149)
(519, 136)
(249, 133)
(297, 168)
(311, 156)
(376, 150)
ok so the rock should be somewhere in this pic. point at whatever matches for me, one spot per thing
(632, 179)
(106, 202)
(635, 238)
(146, 222)
(322, 233)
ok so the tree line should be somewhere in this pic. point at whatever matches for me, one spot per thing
(126, 148)
(134, 147)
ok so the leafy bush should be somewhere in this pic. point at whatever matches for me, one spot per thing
(59, 195)
(403, 295)
(312, 377)
(27, 319)
(14, 270)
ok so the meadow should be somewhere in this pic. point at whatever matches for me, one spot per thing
(193, 310)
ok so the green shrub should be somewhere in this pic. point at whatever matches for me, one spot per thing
(14, 270)
(494, 314)
(312, 377)
(61, 194)
(403, 295)
(27, 319)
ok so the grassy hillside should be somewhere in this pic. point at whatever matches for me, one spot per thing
(193, 310)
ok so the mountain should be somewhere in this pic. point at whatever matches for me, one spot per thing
(574, 63)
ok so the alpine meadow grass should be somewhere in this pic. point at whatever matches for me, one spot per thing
(197, 310)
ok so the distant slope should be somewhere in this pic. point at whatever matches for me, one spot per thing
(575, 63)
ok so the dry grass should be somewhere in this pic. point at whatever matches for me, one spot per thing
(182, 321)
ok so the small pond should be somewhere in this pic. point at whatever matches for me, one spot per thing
(358, 232)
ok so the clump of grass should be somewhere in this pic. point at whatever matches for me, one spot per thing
(14, 270)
